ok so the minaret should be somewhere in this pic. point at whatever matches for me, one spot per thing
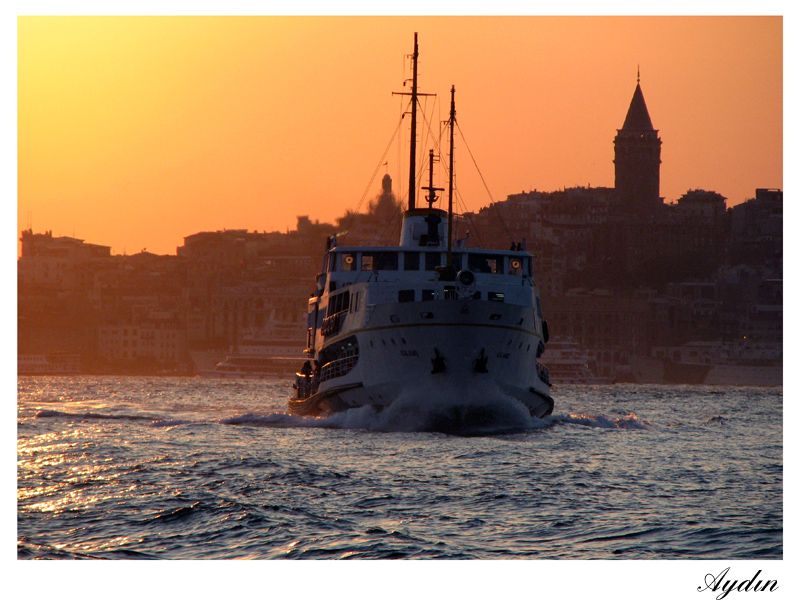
(637, 157)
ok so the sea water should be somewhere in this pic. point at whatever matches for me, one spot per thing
(177, 468)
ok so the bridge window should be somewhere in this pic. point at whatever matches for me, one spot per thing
(432, 260)
(411, 261)
(427, 295)
(495, 296)
(405, 295)
(486, 264)
(379, 261)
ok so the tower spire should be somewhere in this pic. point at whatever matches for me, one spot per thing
(637, 155)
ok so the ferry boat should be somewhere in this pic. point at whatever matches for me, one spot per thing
(256, 355)
(721, 363)
(567, 362)
(423, 316)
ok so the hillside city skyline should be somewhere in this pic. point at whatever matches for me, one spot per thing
(652, 292)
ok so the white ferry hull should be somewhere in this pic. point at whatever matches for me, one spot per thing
(487, 350)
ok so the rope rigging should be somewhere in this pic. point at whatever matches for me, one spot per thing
(488, 192)
(381, 160)
(436, 139)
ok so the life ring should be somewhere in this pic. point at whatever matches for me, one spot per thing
(466, 277)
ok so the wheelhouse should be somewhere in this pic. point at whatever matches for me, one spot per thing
(369, 259)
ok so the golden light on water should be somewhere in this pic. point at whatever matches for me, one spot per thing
(61, 467)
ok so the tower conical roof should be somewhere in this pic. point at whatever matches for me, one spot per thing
(638, 119)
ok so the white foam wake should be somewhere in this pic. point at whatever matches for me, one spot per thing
(476, 409)
(631, 421)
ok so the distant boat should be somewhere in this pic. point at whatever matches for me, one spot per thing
(425, 317)
(256, 357)
(49, 363)
(721, 363)
(569, 363)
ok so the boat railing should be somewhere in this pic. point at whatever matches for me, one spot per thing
(338, 367)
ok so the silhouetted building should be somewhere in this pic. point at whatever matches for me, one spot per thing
(757, 231)
(57, 263)
(637, 158)
(379, 224)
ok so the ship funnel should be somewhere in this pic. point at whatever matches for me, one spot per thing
(424, 227)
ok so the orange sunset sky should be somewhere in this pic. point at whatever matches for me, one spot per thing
(137, 131)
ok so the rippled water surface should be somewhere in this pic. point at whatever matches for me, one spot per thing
(188, 468)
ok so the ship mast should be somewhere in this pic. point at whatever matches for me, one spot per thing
(412, 179)
(450, 182)
(415, 94)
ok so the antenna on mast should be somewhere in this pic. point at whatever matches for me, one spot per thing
(432, 196)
